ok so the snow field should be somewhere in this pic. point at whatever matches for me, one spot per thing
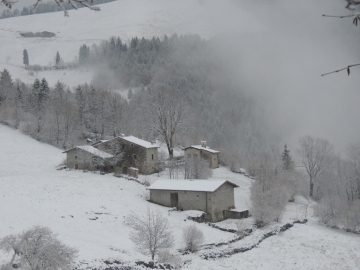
(87, 211)
(123, 18)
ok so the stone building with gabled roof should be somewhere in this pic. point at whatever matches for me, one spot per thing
(202, 151)
(212, 197)
(87, 157)
(135, 153)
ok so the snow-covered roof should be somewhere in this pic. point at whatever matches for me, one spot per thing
(190, 185)
(199, 147)
(99, 142)
(92, 150)
(140, 142)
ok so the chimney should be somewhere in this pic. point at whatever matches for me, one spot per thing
(203, 144)
(153, 142)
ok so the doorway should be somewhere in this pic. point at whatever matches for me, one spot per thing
(174, 200)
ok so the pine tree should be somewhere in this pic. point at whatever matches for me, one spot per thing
(84, 54)
(57, 59)
(130, 93)
(44, 89)
(6, 84)
(288, 163)
(25, 58)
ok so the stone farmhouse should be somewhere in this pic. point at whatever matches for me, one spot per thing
(134, 153)
(87, 157)
(214, 198)
(202, 151)
(122, 155)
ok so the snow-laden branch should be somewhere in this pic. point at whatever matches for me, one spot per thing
(356, 17)
(10, 3)
(345, 68)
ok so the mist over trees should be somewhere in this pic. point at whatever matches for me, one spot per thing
(190, 71)
(182, 92)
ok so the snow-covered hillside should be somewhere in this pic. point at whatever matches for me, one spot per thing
(123, 18)
(87, 210)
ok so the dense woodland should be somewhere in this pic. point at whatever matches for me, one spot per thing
(180, 91)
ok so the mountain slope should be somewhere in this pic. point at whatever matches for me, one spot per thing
(123, 18)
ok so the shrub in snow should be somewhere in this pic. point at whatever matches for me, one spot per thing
(268, 203)
(229, 159)
(38, 248)
(241, 227)
(150, 232)
(166, 257)
(193, 238)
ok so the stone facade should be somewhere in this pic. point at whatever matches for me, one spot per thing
(135, 153)
(201, 151)
(211, 202)
(80, 159)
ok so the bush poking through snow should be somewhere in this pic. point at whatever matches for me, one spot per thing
(150, 232)
(241, 228)
(166, 257)
(193, 238)
(38, 248)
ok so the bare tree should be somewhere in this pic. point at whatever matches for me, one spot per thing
(38, 248)
(197, 168)
(73, 3)
(193, 238)
(168, 116)
(316, 157)
(150, 232)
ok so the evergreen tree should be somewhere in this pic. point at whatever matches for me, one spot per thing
(44, 89)
(57, 58)
(288, 163)
(6, 84)
(84, 54)
(130, 93)
(25, 58)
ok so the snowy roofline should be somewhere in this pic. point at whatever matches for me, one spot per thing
(92, 150)
(140, 142)
(199, 147)
(189, 185)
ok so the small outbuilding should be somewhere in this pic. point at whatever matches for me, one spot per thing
(212, 197)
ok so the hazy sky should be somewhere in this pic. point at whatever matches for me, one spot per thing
(283, 65)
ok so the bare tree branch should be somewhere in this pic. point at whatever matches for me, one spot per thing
(345, 68)
(10, 3)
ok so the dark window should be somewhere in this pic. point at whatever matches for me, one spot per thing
(123, 146)
(75, 157)
(152, 156)
(135, 157)
(132, 145)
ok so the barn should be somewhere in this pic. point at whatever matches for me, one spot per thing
(212, 197)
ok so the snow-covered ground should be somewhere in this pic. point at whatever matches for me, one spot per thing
(123, 18)
(87, 211)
